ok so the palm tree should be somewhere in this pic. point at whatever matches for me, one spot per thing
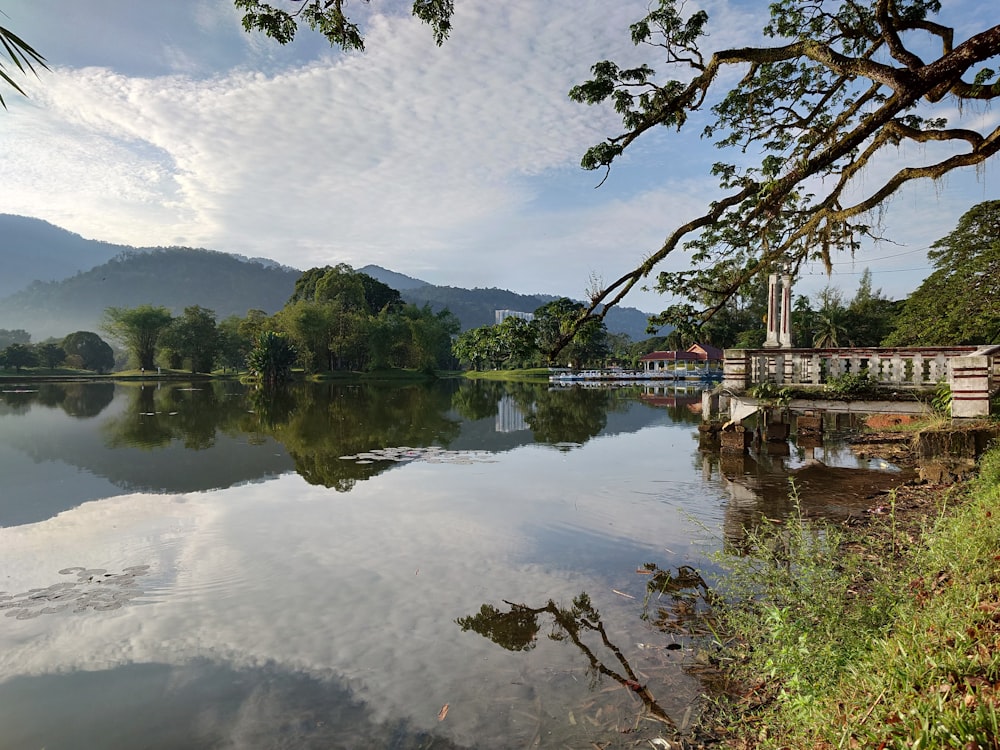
(830, 329)
(21, 54)
(272, 358)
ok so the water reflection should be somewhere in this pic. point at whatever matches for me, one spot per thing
(517, 630)
(75, 399)
(771, 483)
(289, 603)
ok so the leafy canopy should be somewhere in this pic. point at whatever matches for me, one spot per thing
(21, 54)
(329, 18)
(957, 302)
(844, 83)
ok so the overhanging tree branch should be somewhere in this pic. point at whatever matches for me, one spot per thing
(845, 84)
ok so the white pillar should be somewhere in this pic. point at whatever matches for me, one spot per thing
(785, 333)
(773, 313)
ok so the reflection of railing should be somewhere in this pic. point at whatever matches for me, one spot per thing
(971, 372)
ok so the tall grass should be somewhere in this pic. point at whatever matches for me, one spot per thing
(855, 641)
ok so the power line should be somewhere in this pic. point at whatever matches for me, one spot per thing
(881, 257)
(873, 273)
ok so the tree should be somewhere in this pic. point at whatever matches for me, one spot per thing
(22, 55)
(351, 289)
(311, 326)
(139, 329)
(957, 302)
(871, 316)
(194, 336)
(51, 354)
(328, 18)
(271, 358)
(18, 356)
(13, 336)
(427, 344)
(476, 347)
(94, 352)
(233, 346)
(842, 85)
(559, 327)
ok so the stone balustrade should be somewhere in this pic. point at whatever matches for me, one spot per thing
(973, 373)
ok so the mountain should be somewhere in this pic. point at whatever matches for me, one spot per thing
(398, 281)
(100, 275)
(172, 277)
(34, 250)
(476, 307)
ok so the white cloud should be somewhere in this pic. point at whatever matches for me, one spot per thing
(458, 164)
(364, 587)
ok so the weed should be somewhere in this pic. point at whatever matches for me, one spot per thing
(852, 384)
(941, 398)
(856, 650)
(771, 394)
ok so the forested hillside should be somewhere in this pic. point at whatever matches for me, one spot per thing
(170, 277)
(34, 250)
(476, 307)
(47, 289)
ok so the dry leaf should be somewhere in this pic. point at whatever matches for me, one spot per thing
(443, 712)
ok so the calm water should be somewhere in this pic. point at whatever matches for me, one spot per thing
(355, 566)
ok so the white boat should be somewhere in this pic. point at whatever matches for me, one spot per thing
(560, 375)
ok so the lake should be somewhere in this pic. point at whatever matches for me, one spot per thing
(459, 565)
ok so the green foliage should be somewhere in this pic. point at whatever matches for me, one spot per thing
(956, 303)
(50, 354)
(872, 650)
(194, 337)
(22, 55)
(330, 19)
(560, 330)
(139, 329)
(833, 92)
(271, 358)
(17, 336)
(94, 352)
(941, 398)
(18, 356)
(771, 394)
(788, 601)
(343, 319)
(852, 385)
(512, 344)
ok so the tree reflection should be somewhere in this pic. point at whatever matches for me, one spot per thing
(682, 600)
(76, 399)
(517, 630)
(157, 415)
(477, 399)
(573, 415)
(332, 421)
(87, 399)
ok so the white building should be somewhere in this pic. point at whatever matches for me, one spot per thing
(502, 315)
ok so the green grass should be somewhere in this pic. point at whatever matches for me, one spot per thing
(843, 641)
(533, 374)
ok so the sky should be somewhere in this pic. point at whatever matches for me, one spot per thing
(164, 123)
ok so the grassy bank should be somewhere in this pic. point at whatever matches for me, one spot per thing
(534, 375)
(882, 635)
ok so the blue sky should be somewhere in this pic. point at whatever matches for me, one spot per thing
(163, 123)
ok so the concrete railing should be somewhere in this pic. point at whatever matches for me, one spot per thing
(973, 373)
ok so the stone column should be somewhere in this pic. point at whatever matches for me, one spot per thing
(785, 332)
(970, 387)
(734, 373)
(773, 313)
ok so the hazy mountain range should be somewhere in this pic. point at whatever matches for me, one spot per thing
(55, 282)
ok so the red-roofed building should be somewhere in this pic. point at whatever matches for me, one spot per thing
(696, 357)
